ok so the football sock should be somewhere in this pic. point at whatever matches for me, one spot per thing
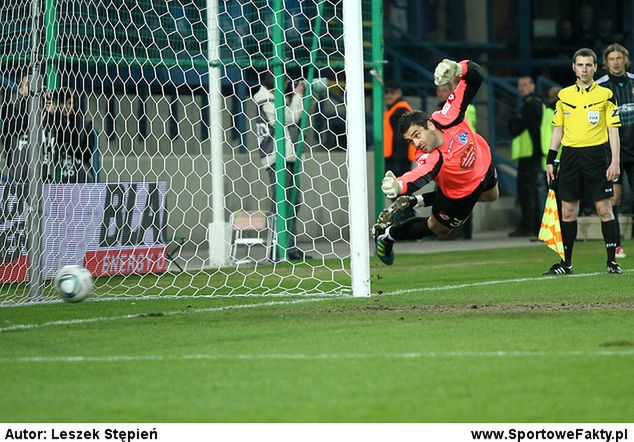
(568, 235)
(413, 228)
(427, 199)
(608, 229)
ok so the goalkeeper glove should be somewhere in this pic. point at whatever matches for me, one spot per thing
(446, 71)
(390, 186)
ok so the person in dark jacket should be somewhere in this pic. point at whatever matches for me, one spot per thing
(66, 143)
(528, 153)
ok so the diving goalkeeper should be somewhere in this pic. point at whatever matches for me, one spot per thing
(447, 152)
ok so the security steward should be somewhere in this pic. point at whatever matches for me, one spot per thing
(586, 118)
(531, 130)
(398, 153)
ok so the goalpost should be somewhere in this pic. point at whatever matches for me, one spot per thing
(143, 162)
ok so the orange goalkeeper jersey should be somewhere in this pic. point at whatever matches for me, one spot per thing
(461, 163)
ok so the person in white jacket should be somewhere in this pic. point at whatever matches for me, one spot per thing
(265, 128)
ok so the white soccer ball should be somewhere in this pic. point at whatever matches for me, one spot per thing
(73, 283)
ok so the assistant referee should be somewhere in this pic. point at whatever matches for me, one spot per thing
(586, 118)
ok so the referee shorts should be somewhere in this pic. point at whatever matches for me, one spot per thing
(453, 212)
(582, 173)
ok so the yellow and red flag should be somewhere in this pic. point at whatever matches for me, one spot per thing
(550, 231)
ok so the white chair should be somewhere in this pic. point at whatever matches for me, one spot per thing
(252, 229)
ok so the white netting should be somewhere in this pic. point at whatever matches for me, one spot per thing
(127, 171)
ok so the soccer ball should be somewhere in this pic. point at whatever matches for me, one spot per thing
(73, 283)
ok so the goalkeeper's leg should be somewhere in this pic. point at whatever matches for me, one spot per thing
(410, 229)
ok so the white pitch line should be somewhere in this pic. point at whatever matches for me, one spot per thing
(322, 356)
(141, 314)
(298, 301)
(495, 282)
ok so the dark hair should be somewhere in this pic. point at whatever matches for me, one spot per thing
(391, 86)
(615, 47)
(527, 76)
(418, 118)
(584, 52)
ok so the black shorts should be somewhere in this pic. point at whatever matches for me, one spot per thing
(451, 212)
(582, 172)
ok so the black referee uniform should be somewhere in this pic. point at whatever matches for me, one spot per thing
(622, 86)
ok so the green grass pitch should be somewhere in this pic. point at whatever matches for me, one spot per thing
(474, 336)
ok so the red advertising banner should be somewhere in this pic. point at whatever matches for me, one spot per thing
(125, 262)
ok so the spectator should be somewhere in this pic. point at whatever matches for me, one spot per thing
(531, 134)
(551, 97)
(15, 133)
(565, 35)
(265, 126)
(74, 140)
(442, 93)
(616, 59)
(398, 153)
(67, 150)
(585, 120)
(565, 44)
(587, 24)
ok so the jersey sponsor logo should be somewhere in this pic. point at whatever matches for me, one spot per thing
(446, 107)
(625, 108)
(593, 117)
(444, 216)
(422, 159)
(463, 137)
(468, 158)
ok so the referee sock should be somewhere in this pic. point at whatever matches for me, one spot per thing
(413, 228)
(615, 210)
(608, 228)
(568, 236)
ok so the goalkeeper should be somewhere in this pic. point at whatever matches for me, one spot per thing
(447, 152)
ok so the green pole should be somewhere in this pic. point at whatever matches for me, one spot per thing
(50, 50)
(377, 102)
(280, 138)
(50, 58)
(307, 94)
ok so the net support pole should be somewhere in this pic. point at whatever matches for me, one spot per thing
(218, 237)
(281, 203)
(50, 20)
(318, 22)
(377, 103)
(357, 160)
(34, 216)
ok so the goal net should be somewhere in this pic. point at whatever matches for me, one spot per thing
(183, 147)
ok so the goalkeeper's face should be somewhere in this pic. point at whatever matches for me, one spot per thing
(426, 138)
